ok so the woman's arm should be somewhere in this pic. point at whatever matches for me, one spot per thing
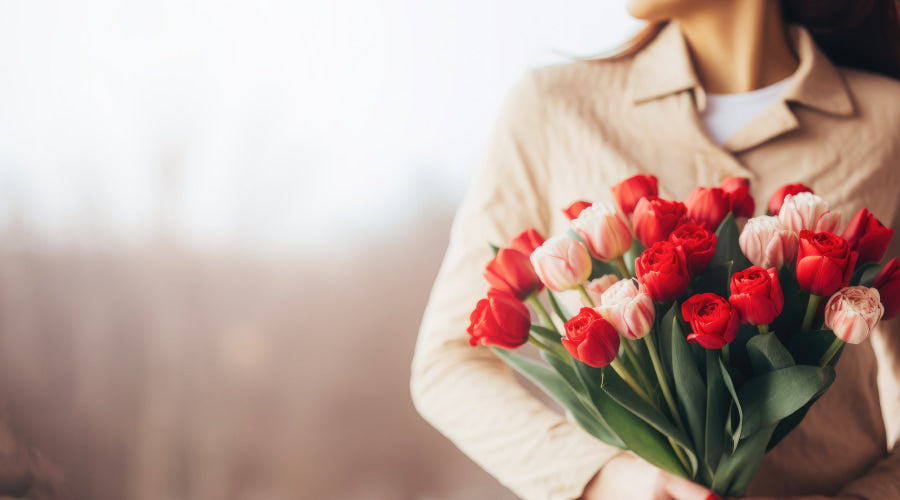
(466, 392)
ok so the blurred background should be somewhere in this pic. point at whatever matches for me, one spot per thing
(219, 225)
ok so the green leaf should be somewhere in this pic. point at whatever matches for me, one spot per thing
(557, 308)
(770, 397)
(733, 423)
(588, 417)
(865, 274)
(767, 354)
(716, 406)
(639, 436)
(619, 391)
(736, 470)
(791, 317)
(807, 348)
(632, 254)
(716, 279)
(689, 388)
(546, 333)
(494, 247)
(727, 247)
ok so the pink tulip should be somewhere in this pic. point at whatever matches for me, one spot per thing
(596, 287)
(767, 243)
(604, 230)
(629, 309)
(561, 263)
(808, 211)
(853, 313)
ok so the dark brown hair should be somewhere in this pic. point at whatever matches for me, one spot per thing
(863, 34)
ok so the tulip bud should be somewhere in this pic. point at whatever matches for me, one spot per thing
(738, 190)
(810, 212)
(575, 209)
(868, 236)
(596, 287)
(604, 231)
(663, 271)
(756, 295)
(777, 199)
(527, 241)
(499, 320)
(713, 321)
(697, 244)
(629, 309)
(887, 281)
(824, 263)
(561, 263)
(511, 271)
(591, 339)
(853, 312)
(767, 243)
(630, 191)
(708, 207)
(654, 219)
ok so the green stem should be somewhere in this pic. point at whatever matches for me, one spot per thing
(726, 353)
(620, 262)
(663, 380)
(542, 313)
(811, 308)
(620, 370)
(585, 296)
(616, 365)
(633, 359)
(832, 350)
(763, 328)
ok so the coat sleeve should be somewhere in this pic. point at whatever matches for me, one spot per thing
(466, 392)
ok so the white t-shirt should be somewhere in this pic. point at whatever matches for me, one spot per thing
(726, 113)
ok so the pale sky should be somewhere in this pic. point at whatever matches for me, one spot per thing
(263, 124)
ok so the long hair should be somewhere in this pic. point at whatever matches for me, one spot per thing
(862, 34)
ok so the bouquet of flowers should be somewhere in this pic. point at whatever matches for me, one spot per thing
(699, 345)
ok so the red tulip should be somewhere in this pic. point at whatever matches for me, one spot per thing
(708, 207)
(630, 191)
(887, 281)
(738, 189)
(510, 271)
(591, 339)
(575, 209)
(663, 271)
(868, 236)
(825, 263)
(527, 241)
(698, 245)
(654, 219)
(713, 321)
(777, 199)
(499, 320)
(756, 295)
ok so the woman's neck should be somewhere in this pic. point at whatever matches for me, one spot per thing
(739, 45)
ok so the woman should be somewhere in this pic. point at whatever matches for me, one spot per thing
(571, 131)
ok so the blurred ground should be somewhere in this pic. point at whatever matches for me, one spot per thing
(161, 373)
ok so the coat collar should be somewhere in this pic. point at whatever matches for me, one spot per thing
(664, 67)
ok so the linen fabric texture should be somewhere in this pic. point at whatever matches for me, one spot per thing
(571, 131)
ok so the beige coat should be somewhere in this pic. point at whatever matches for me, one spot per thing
(569, 132)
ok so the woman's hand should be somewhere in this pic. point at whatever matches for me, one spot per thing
(628, 477)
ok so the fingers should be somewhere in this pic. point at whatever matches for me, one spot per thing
(682, 489)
